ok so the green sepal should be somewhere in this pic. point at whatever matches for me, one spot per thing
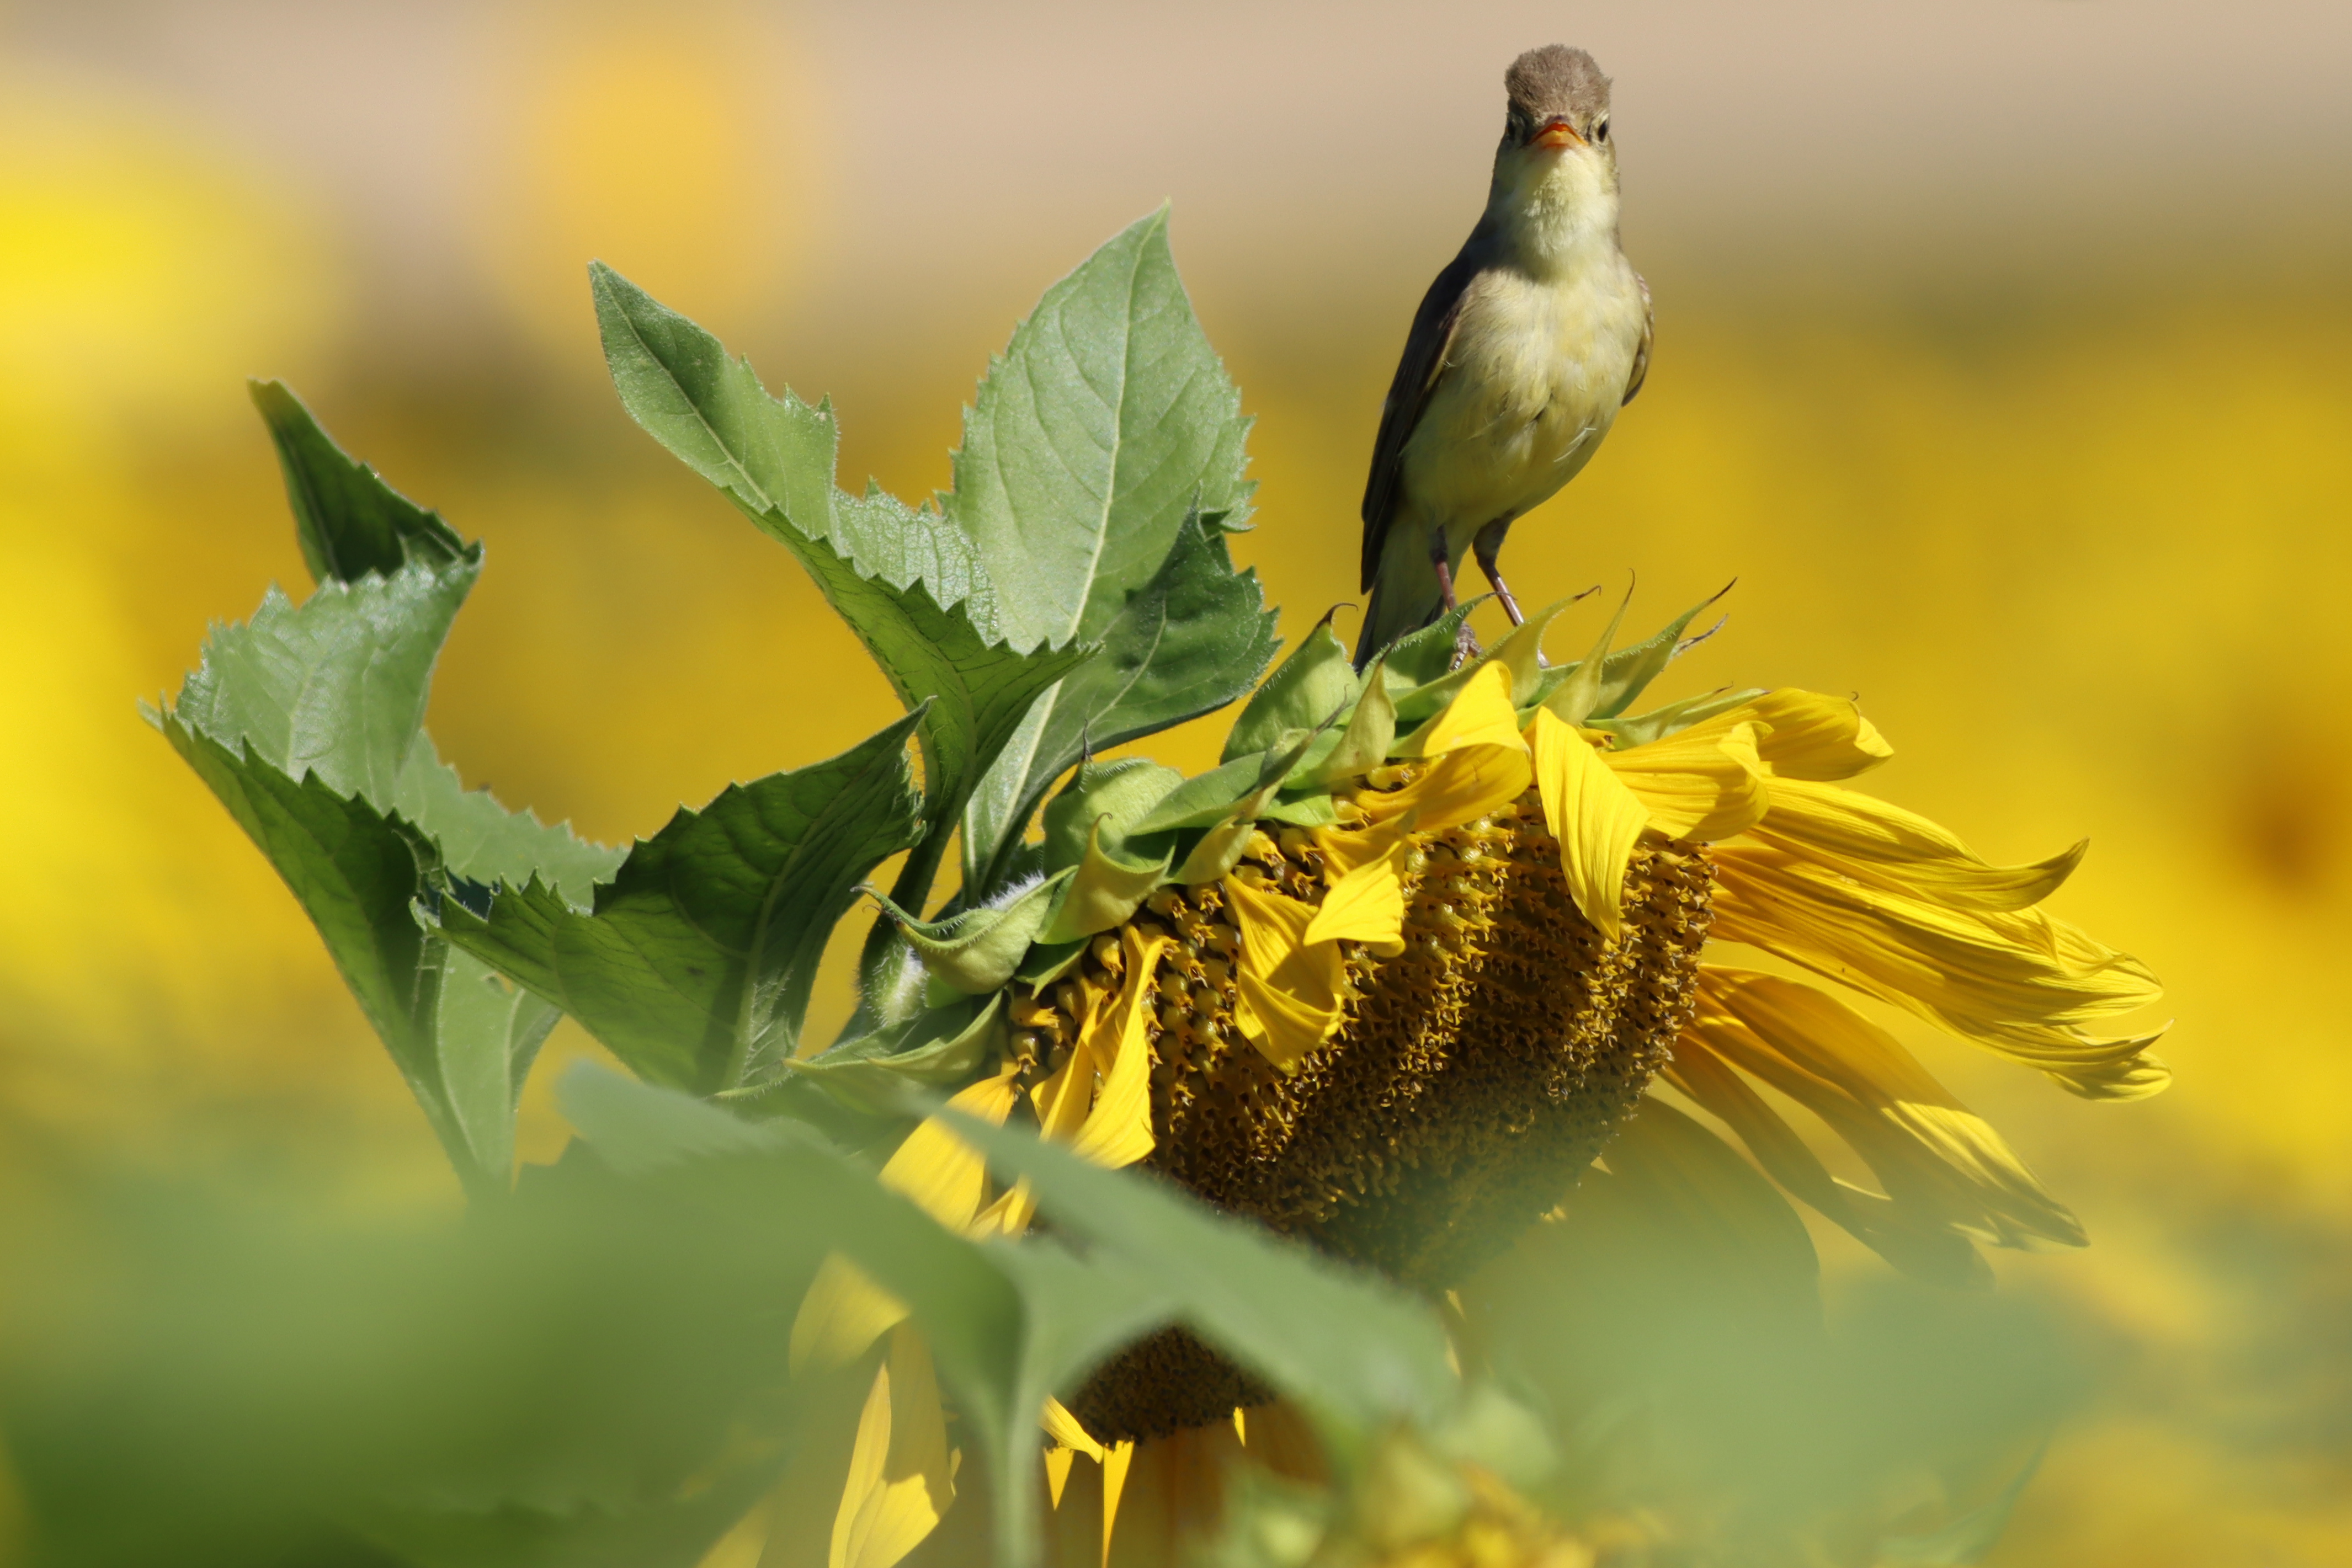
(1303, 692)
(975, 952)
(1113, 796)
(1642, 728)
(1048, 962)
(1420, 657)
(1302, 811)
(1625, 673)
(939, 1048)
(1205, 800)
(1573, 698)
(1105, 889)
(1364, 744)
(1222, 847)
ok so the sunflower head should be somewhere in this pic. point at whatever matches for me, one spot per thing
(1395, 974)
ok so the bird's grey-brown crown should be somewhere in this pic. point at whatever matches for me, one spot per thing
(1555, 81)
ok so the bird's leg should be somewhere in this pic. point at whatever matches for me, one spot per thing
(1465, 642)
(1486, 546)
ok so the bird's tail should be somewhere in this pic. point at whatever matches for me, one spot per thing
(1405, 597)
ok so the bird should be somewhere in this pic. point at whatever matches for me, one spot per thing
(1520, 356)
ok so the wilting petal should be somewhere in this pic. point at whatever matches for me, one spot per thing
(1932, 1152)
(1809, 736)
(1927, 1250)
(1366, 901)
(1596, 819)
(901, 1477)
(1118, 1129)
(2020, 983)
(1289, 992)
(1867, 839)
(1704, 783)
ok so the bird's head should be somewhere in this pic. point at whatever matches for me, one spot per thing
(1556, 144)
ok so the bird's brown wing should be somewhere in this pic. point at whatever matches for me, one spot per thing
(1641, 354)
(1416, 374)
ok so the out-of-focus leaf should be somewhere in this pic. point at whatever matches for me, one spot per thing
(909, 583)
(1355, 1351)
(1968, 1539)
(695, 966)
(1186, 643)
(348, 521)
(1108, 419)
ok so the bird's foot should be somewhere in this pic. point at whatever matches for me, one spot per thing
(1465, 646)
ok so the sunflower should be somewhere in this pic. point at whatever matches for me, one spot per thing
(1394, 977)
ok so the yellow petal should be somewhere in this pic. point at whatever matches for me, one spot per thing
(1009, 1215)
(1067, 1430)
(1868, 839)
(2022, 984)
(1057, 1472)
(842, 1312)
(1118, 1129)
(1596, 819)
(1809, 736)
(1366, 902)
(1480, 715)
(939, 1172)
(900, 1475)
(1704, 783)
(1115, 1467)
(1288, 991)
(1462, 786)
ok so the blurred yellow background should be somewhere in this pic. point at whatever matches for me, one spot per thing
(2005, 356)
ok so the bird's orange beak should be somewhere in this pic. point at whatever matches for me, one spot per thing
(1557, 133)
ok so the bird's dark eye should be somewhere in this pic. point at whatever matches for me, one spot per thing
(1601, 131)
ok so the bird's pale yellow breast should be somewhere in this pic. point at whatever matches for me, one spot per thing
(1533, 378)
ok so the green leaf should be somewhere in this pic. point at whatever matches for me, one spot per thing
(1305, 690)
(348, 521)
(1187, 643)
(482, 842)
(357, 871)
(354, 868)
(335, 685)
(908, 582)
(696, 964)
(486, 1033)
(1108, 419)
